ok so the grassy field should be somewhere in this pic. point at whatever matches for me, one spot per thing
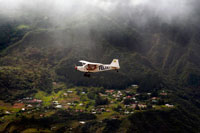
(22, 26)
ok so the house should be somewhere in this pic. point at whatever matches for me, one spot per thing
(29, 106)
(103, 95)
(27, 98)
(135, 86)
(102, 109)
(107, 110)
(169, 106)
(154, 98)
(58, 106)
(119, 93)
(55, 102)
(154, 101)
(82, 122)
(18, 105)
(109, 91)
(54, 83)
(149, 94)
(142, 106)
(126, 112)
(34, 101)
(65, 94)
(7, 112)
(163, 94)
(133, 106)
(126, 106)
(115, 117)
(128, 97)
(154, 106)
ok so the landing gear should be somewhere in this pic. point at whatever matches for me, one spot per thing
(87, 75)
(117, 70)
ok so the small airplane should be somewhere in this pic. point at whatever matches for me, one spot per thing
(90, 67)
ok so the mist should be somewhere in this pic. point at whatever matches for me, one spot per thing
(60, 12)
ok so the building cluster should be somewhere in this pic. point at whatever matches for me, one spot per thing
(28, 103)
(136, 101)
(123, 101)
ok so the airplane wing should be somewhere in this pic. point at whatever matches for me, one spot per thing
(91, 63)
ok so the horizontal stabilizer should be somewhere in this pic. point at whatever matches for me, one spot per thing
(115, 63)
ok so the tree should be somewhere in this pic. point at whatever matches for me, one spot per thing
(100, 101)
(127, 101)
(149, 106)
(137, 107)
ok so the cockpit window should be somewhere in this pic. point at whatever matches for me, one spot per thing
(91, 67)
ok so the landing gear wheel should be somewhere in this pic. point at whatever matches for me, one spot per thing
(87, 75)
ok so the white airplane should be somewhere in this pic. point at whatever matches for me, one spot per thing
(90, 67)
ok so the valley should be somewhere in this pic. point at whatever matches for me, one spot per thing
(98, 103)
(157, 86)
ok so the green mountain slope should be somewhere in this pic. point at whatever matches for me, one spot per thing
(172, 53)
(155, 56)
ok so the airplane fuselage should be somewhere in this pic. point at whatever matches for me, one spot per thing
(99, 68)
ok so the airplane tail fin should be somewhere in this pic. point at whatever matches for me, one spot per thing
(115, 63)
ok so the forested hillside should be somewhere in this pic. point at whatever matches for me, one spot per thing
(39, 49)
(160, 51)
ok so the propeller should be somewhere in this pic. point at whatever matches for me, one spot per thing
(75, 66)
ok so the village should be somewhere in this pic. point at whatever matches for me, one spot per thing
(104, 103)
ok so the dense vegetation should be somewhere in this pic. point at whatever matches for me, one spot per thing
(17, 82)
(151, 121)
(60, 116)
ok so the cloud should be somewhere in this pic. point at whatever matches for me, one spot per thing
(167, 10)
